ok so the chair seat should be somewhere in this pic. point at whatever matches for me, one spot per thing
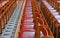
(57, 17)
(55, 14)
(58, 21)
(31, 19)
(29, 8)
(53, 11)
(28, 27)
(51, 8)
(27, 34)
(28, 16)
(28, 13)
(28, 22)
(28, 3)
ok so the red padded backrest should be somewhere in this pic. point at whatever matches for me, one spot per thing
(45, 32)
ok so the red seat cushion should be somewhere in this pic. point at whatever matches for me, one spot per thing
(27, 34)
(28, 28)
(28, 24)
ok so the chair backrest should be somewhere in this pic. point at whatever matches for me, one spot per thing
(38, 25)
(6, 9)
(53, 19)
